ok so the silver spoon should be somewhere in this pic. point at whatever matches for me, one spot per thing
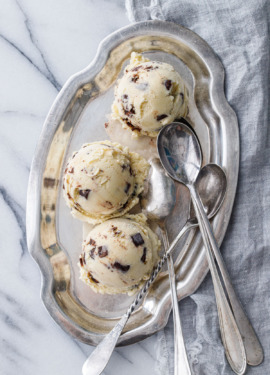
(99, 358)
(180, 155)
(158, 203)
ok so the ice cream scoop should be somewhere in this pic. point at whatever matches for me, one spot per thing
(150, 94)
(103, 180)
(119, 255)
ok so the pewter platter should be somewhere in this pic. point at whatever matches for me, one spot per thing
(78, 116)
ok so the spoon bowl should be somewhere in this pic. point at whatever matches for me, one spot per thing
(211, 185)
(160, 198)
(180, 152)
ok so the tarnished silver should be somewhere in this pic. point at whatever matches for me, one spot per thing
(77, 116)
(158, 203)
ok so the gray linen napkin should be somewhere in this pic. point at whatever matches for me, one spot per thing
(238, 31)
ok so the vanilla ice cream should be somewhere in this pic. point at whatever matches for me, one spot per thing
(103, 180)
(150, 94)
(119, 255)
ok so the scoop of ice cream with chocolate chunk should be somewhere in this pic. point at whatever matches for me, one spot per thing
(103, 180)
(119, 255)
(150, 94)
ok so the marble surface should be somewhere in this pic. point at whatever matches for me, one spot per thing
(42, 43)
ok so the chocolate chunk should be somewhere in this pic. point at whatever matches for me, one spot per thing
(135, 78)
(71, 170)
(108, 204)
(92, 278)
(75, 153)
(161, 117)
(136, 68)
(143, 258)
(104, 144)
(129, 110)
(127, 187)
(81, 262)
(132, 127)
(125, 166)
(137, 239)
(147, 68)
(92, 242)
(49, 182)
(102, 251)
(115, 230)
(92, 253)
(77, 206)
(106, 124)
(84, 193)
(69, 196)
(132, 109)
(121, 267)
(168, 84)
(135, 189)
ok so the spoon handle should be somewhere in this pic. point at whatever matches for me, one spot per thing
(98, 359)
(253, 348)
(232, 340)
(181, 365)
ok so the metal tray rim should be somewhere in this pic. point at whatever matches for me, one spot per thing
(54, 115)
